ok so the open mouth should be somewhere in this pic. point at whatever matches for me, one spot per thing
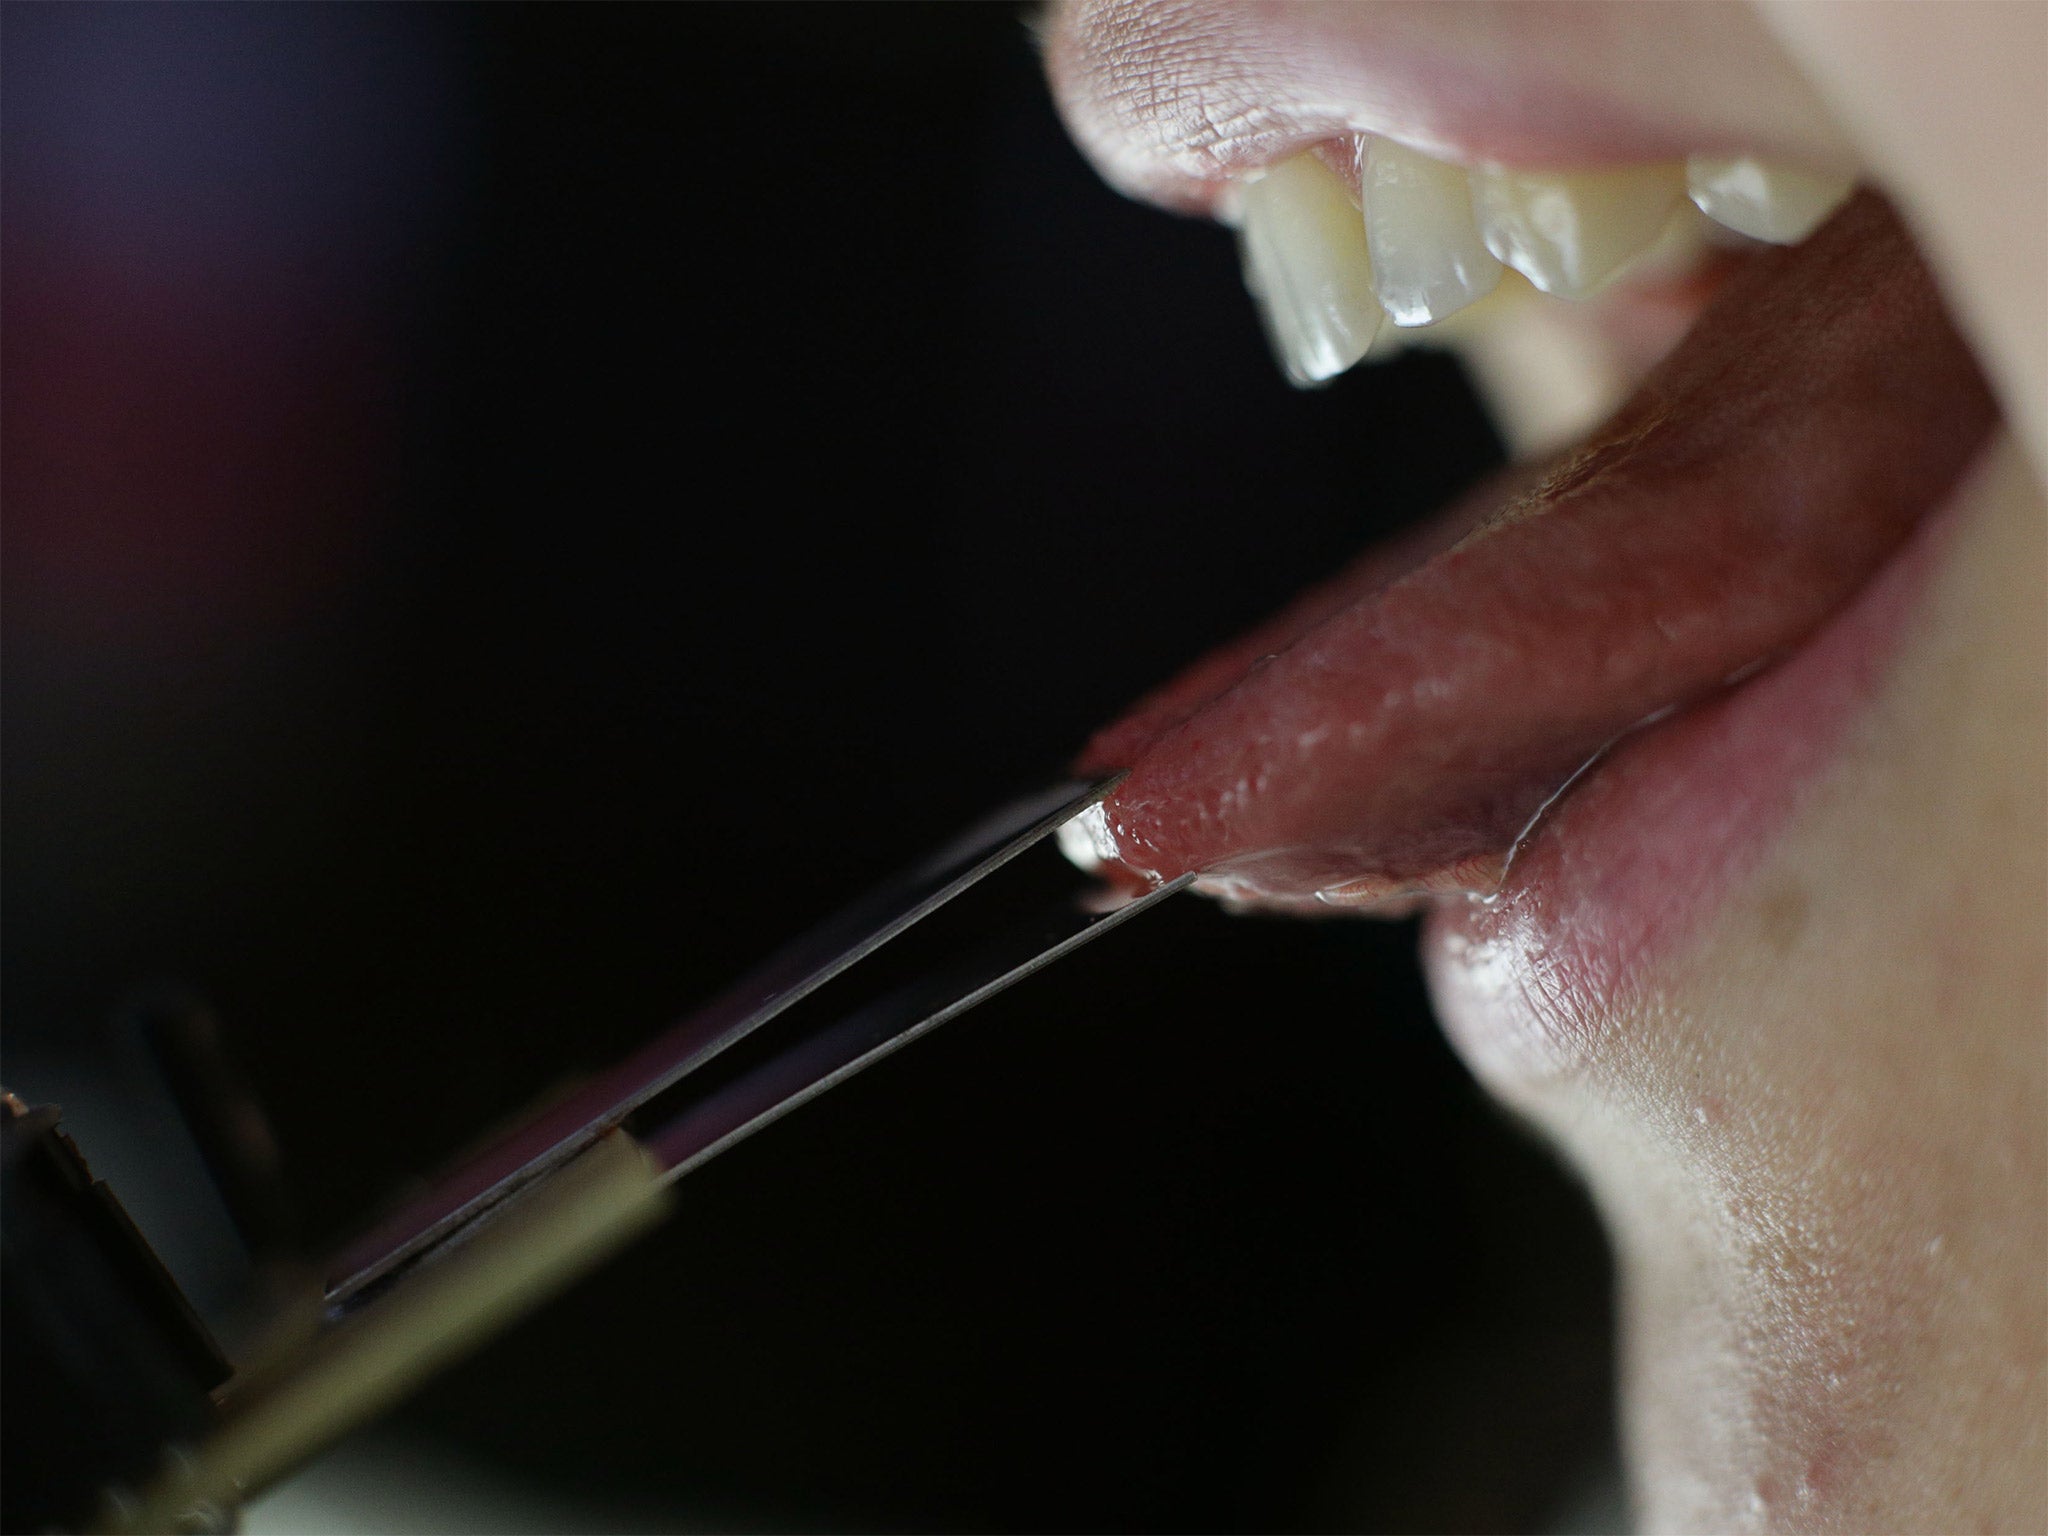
(1422, 724)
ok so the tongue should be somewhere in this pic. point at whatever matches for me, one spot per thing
(1396, 730)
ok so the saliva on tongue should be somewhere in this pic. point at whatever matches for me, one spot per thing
(1398, 730)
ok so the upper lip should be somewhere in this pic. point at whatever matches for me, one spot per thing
(1172, 102)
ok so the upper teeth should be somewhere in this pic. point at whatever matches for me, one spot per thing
(1570, 234)
(1434, 236)
(1778, 203)
(1428, 257)
(1305, 260)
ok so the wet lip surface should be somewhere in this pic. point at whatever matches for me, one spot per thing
(1640, 849)
(1399, 731)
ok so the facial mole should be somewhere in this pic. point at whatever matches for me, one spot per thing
(1782, 915)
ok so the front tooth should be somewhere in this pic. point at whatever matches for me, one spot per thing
(1307, 264)
(1428, 260)
(1778, 203)
(1569, 234)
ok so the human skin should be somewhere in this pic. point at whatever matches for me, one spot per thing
(1814, 1112)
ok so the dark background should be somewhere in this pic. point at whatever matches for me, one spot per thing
(510, 515)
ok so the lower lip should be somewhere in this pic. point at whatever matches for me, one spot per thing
(1622, 873)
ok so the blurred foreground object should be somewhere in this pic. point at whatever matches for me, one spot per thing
(154, 1430)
